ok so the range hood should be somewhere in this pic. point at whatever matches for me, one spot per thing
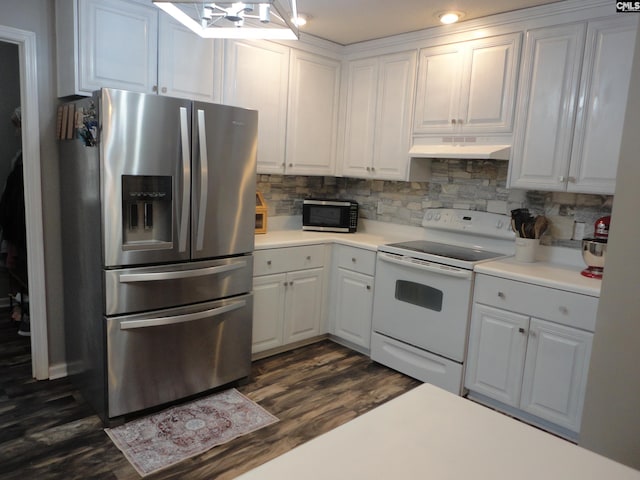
(462, 151)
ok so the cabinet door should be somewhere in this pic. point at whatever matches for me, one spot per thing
(545, 119)
(497, 346)
(118, 45)
(362, 92)
(268, 311)
(438, 92)
(488, 90)
(186, 66)
(303, 304)
(312, 120)
(393, 116)
(256, 76)
(602, 105)
(353, 308)
(555, 374)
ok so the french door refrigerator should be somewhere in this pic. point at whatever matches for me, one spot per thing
(158, 217)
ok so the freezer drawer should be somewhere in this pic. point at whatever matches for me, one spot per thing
(162, 356)
(141, 289)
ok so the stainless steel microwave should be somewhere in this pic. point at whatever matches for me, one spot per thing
(330, 215)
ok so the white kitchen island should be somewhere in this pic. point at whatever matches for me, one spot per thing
(429, 433)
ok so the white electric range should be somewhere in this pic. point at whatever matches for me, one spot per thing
(423, 293)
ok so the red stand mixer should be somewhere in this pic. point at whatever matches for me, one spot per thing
(594, 249)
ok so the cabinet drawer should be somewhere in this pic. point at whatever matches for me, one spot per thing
(278, 260)
(567, 308)
(355, 259)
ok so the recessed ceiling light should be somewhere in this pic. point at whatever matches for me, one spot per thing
(450, 17)
(301, 20)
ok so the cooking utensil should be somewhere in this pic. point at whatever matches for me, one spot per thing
(540, 226)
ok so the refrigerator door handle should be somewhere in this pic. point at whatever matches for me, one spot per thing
(176, 275)
(186, 180)
(189, 317)
(204, 181)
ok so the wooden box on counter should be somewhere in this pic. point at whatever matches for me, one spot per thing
(261, 214)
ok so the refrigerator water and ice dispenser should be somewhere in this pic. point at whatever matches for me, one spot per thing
(146, 216)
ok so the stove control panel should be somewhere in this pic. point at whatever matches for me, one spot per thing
(473, 222)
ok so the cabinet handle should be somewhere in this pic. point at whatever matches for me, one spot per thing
(501, 295)
(522, 330)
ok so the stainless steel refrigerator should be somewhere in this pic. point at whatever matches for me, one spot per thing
(158, 217)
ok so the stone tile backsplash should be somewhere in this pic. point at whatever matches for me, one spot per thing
(464, 184)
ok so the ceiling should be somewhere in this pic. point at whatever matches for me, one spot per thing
(351, 21)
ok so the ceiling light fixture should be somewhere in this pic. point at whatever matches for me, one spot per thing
(266, 19)
(450, 17)
(301, 20)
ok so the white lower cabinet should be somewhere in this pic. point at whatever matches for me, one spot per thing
(352, 295)
(534, 368)
(288, 287)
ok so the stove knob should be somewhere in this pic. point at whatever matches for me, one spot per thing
(429, 216)
(437, 217)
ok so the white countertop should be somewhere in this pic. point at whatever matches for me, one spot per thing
(556, 267)
(431, 433)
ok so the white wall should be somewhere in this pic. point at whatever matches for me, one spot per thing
(611, 418)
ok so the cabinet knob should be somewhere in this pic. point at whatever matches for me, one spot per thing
(291, 164)
(291, 282)
(353, 259)
(368, 169)
(453, 121)
(563, 310)
(522, 330)
(501, 295)
(368, 287)
(309, 257)
(283, 164)
(285, 284)
(268, 262)
(373, 169)
(154, 89)
(562, 179)
(164, 89)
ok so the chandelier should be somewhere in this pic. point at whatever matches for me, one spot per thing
(269, 19)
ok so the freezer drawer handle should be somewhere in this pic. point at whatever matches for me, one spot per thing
(426, 266)
(201, 272)
(190, 317)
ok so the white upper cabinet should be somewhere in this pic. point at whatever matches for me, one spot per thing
(378, 116)
(130, 45)
(572, 106)
(256, 76)
(468, 87)
(602, 103)
(312, 119)
(186, 63)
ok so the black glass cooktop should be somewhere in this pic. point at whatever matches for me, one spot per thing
(448, 251)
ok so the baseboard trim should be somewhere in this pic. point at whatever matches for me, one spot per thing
(57, 371)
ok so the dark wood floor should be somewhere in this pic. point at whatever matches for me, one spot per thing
(47, 431)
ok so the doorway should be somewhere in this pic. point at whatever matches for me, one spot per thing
(27, 59)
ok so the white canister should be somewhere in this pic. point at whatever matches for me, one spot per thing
(526, 249)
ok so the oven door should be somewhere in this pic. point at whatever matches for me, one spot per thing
(423, 304)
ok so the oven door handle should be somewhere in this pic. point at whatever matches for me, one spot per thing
(189, 317)
(428, 267)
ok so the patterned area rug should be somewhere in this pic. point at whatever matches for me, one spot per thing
(168, 437)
